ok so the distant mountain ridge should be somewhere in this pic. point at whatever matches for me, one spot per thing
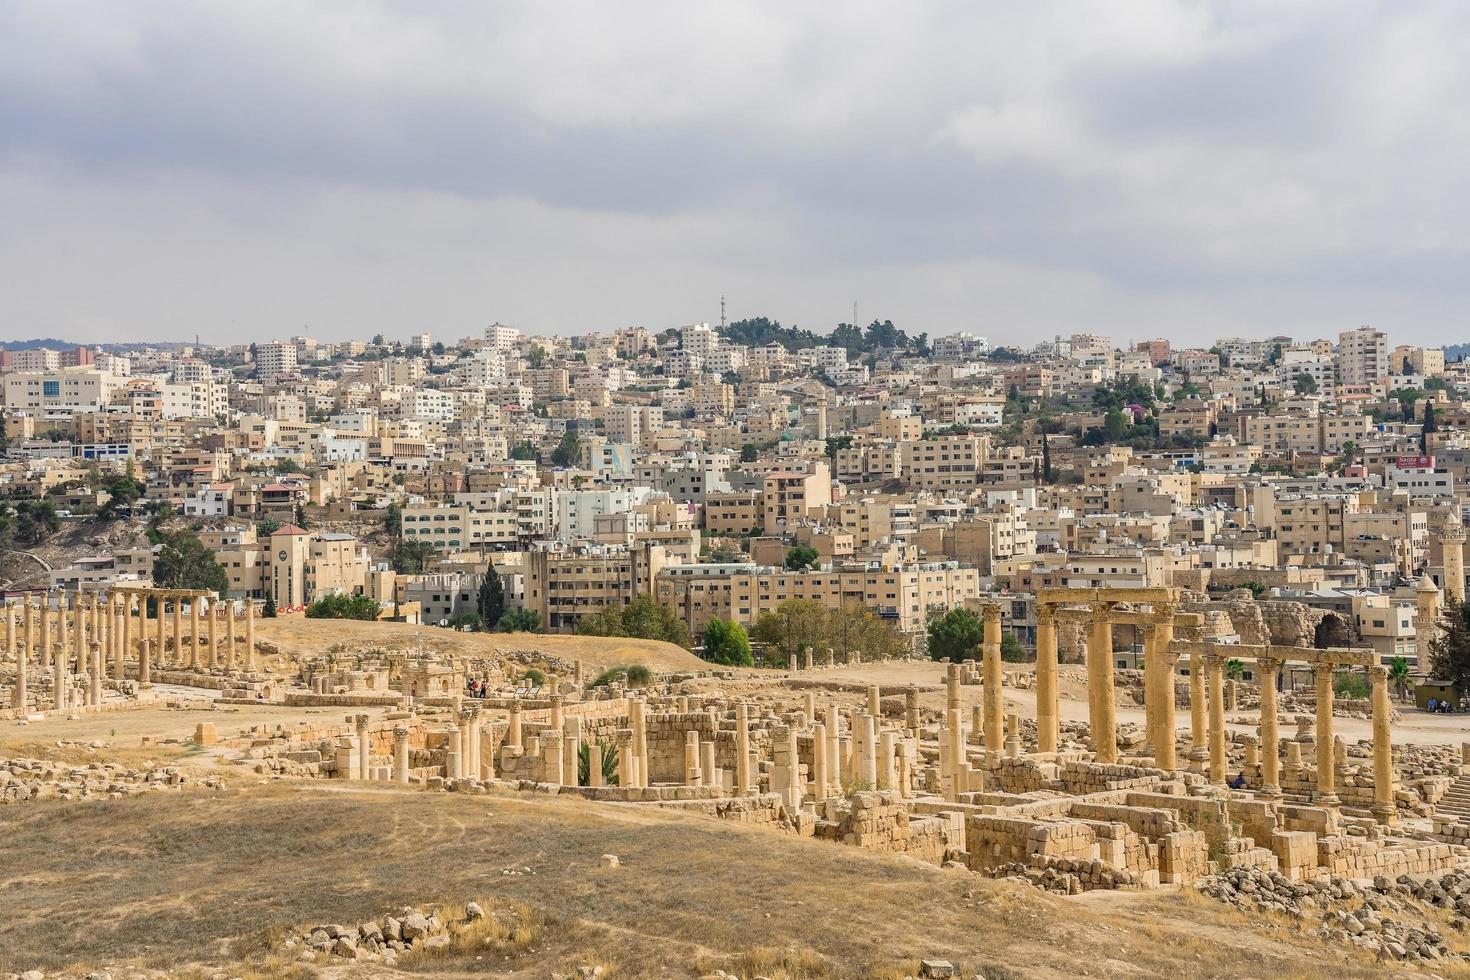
(56, 344)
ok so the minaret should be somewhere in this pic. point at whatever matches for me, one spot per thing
(1452, 542)
(1426, 616)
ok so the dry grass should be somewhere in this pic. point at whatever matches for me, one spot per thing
(297, 636)
(179, 881)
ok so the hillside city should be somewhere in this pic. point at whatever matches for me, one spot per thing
(725, 470)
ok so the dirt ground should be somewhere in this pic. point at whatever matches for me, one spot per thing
(298, 636)
(213, 880)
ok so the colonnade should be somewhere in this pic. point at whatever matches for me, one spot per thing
(76, 633)
(1097, 610)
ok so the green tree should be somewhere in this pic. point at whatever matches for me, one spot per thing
(1011, 650)
(393, 519)
(36, 520)
(749, 453)
(267, 527)
(1398, 674)
(1048, 475)
(643, 618)
(536, 356)
(568, 451)
(957, 634)
(490, 603)
(300, 516)
(802, 556)
(525, 451)
(1449, 653)
(1114, 426)
(519, 621)
(724, 553)
(409, 557)
(343, 605)
(182, 562)
(725, 642)
(268, 611)
(837, 443)
(1304, 384)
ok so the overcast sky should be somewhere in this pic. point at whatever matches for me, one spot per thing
(241, 170)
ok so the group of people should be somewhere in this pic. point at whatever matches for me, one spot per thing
(477, 688)
(1442, 706)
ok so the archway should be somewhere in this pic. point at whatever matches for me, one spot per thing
(1331, 631)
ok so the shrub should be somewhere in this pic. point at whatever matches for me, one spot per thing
(343, 605)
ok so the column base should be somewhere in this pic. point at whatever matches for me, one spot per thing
(1198, 757)
(1326, 799)
(1269, 793)
(1385, 813)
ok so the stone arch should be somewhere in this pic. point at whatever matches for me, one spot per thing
(1331, 631)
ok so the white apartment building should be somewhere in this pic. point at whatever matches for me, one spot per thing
(1362, 356)
(66, 390)
(274, 358)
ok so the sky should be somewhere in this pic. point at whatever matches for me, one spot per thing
(248, 171)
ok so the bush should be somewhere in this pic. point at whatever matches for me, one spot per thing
(634, 675)
(1349, 685)
(1011, 650)
(536, 677)
(726, 643)
(519, 621)
(343, 605)
(643, 618)
(957, 635)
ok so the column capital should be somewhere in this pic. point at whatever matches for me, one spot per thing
(1164, 612)
(1378, 673)
(1046, 614)
(1324, 669)
(1101, 609)
(1269, 665)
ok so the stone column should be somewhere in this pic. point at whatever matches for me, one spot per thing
(627, 761)
(887, 774)
(250, 663)
(127, 634)
(18, 694)
(571, 750)
(1102, 719)
(870, 750)
(692, 775)
(993, 696)
(875, 700)
(742, 751)
(400, 755)
(1164, 749)
(911, 709)
(453, 761)
(1198, 734)
(513, 730)
(640, 741)
(951, 687)
(364, 746)
(1326, 764)
(59, 681)
(178, 630)
(1270, 736)
(194, 633)
(834, 749)
(145, 658)
(1047, 727)
(45, 647)
(819, 762)
(1216, 667)
(121, 618)
(1384, 810)
(594, 763)
(551, 768)
(94, 676)
(158, 626)
(229, 633)
(211, 655)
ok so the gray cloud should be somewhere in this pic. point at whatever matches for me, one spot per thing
(1184, 168)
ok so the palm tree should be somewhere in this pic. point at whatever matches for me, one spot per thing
(1236, 670)
(1398, 675)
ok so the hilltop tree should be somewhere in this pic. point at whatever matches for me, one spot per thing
(802, 556)
(1449, 653)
